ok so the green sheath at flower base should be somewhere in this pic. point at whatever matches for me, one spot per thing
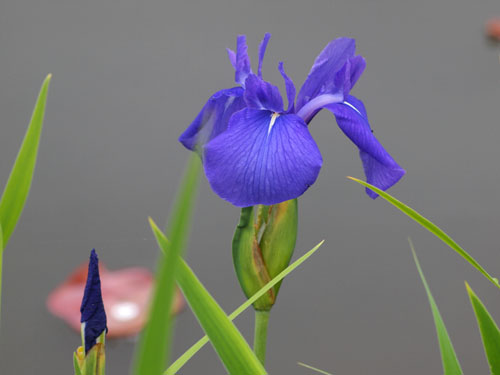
(248, 262)
(263, 245)
(92, 363)
(278, 240)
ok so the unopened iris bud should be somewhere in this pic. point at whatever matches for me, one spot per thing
(278, 240)
(263, 245)
(89, 359)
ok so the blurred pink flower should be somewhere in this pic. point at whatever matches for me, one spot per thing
(493, 29)
(125, 293)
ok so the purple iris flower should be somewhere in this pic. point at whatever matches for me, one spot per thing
(93, 315)
(256, 152)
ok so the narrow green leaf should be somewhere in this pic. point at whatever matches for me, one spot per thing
(313, 368)
(76, 365)
(18, 186)
(231, 347)
(182, 360)
(489, 332)
(154, 346)
(1, 263)
(451, 366)
(90, 362)
(430, 226)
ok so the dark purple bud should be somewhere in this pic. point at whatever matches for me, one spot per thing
(92, 309)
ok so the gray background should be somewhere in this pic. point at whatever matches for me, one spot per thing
(129, 76)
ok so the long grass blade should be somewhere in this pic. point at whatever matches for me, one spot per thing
(431, 227)
(489, 332)
(154, 347)
(184, 358)
(314, 369)
(1, 264)
(231, 347)
(18, 186)
(451, 366)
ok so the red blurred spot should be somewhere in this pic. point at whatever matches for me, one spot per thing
(493, 29)
(125, 293)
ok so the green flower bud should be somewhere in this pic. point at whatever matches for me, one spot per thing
(278, 240)
(263, 245)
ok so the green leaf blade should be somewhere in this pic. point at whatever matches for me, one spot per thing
(1, 265)
(451, 366)
(18, 185)
(430, 226)
(490, 333)
(231, 347)
(313, 368)
(184, 358)
(153, 350)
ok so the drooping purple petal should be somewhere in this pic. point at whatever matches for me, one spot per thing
(260, 94)
(262, 158)
(92, 308)
(290, 88)
(321, 78)
(213, 118)
(380, 168)
(243, 67)
(262, 52)
(231, 55)
(378, 174)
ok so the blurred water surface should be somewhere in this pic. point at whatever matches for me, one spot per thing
(129, 76)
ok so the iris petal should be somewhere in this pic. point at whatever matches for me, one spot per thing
(321, 78)
(260, 94)
(231, 55)
(380, 168)
(290, 88)
(243, 67)
(256, 161)
(346, 78)
(213, 118)
(358, 65)
(262, 52)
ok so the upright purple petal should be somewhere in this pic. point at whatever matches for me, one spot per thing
(262, 158)
(92, 308)
(358, 65)
(260, 94)
(243, 67)
(380, 168)
(321, 78)
(262, 52)
(231, 55)
(213, 118)
(348, 75)
(290, 88)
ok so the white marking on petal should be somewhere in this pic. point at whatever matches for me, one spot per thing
(229, 102)
(353, 107)
(274, 116)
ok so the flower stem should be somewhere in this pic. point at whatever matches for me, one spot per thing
(260, 338)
